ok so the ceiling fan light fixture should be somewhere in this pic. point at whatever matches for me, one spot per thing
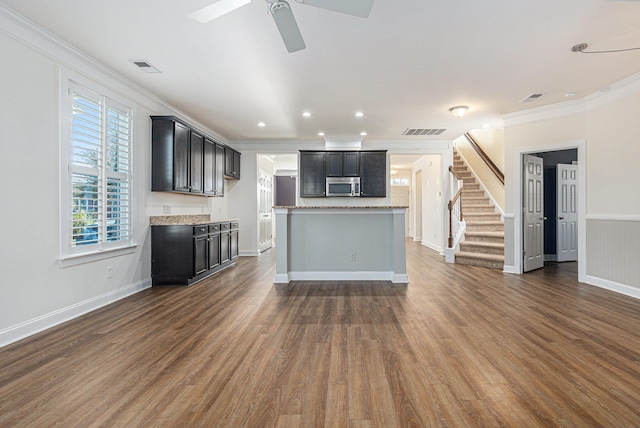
(458, 111)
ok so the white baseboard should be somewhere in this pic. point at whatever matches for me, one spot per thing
(41, 323)
(342, 276)
(509, 269)
(433, 247)
(248, 253)
(627, 290)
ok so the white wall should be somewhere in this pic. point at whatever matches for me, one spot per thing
(432, 201)
(36, 291)
(606, 130)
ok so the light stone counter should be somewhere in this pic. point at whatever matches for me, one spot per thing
(340, 244)
(177, 220)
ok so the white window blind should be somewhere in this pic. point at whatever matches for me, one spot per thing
(100, 158)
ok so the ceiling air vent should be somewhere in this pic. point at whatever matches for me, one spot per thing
(531, 98)
(146, 67)
(423, 131)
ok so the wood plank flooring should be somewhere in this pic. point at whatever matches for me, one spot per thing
(459, 346)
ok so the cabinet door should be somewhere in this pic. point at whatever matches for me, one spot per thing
(225, 255)
(351, 164)
(196, 166)
(373, 174)
(214, 250)
(312, 176)
(209, 167)
(233, 246)
(201, 261)
(236, 164)
(181, 146)
(333, 164)
(219, 175)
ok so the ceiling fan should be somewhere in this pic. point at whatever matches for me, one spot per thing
(283, 16)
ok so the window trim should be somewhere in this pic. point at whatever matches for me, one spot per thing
(69, 255)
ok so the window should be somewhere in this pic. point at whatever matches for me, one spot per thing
(97, 211)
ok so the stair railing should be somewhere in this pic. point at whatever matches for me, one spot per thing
(487, 160)
(455, 206)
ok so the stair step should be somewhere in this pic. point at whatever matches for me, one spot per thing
(473, 193)
(482, 247)
(472, 186)
(475, 200)
(477, 226)
(493, 261)
(478, 209)
(485, 236)
(492, 216)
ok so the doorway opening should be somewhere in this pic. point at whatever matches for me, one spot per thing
(550, 210)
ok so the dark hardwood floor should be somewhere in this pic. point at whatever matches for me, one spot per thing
(459, 346)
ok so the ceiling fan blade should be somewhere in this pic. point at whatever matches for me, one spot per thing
(217, 9)
(286, 23)
(360, 8)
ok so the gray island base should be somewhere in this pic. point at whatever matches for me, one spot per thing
(340, 244)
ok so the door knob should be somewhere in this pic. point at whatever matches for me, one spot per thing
(560, 218)
(542, 218)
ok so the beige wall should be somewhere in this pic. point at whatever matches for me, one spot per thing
(608, 134)
(613, 175)
(492, 143)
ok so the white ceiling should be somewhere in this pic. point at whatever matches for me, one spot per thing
(404, 66)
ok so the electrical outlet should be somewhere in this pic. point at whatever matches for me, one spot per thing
(352, 257)
(109, 272)
(166, 209)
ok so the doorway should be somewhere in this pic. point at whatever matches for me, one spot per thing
(418, 207)
(550, 208)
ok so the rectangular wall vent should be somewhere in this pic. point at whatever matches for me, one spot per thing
(423, 131)
(531, 98)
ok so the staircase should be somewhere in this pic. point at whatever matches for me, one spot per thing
(484, 235)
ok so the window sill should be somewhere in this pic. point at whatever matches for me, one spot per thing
(78, 259)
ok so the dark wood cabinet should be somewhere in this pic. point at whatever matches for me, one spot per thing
(342, 164)
(184, 254)
(232, 163)
(186, 160)
(213, 168)
(370, 166)
(196, 164)
(373, 174)
(312, 174)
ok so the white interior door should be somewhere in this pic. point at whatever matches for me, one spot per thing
(265, 204)
(567, 213)
(533, 218)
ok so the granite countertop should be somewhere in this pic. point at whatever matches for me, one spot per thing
(195, 219)
(340, 207)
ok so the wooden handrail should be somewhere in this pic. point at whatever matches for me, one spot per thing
(451, 170)
(492, 166)
(453, 201)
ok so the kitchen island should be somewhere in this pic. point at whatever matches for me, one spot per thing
(340, 244)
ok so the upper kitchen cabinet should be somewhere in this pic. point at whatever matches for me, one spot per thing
(232, 163)
(312, 174)
(186, 160)
(213, 168)
(343, 164)
(172, 160)
(373, 174)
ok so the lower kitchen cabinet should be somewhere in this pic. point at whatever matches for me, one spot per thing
(185, 254)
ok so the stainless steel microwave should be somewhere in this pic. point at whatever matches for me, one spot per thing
(343, 186)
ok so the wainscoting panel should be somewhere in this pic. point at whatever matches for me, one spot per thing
(613, 250)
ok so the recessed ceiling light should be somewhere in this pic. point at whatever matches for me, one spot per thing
(306, 114)
(363, 133)
(321, 134)
(569, 94)
(359, 114)
(262, 124)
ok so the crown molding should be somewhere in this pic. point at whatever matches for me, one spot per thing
(19, 28)
(610, 94)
